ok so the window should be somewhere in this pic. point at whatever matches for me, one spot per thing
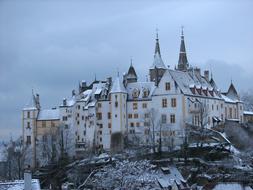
(99, 116)
(100, 132)
(164, 119)
(136, 115)
(78, 122)
(43, 123)
(109, 125)
(109, 115)
(99, 105)
(146, 124)
(28, 139)
(217, 107)
(100, 139)
(137, 124)
(77, 114)
(116, 104)
(167, 86)
(144, 105)
(66, 127)
(221, 106)
(64, 118)
(135, 105)
(130, 115)
(101, 126)
(173, 102)
(28, 125)
(132, 124)
(82, 117)
(230, 113)
(172, 118)
(78, 107)
(28, 114)
(146, 115)
(164, 102)
(212, 107)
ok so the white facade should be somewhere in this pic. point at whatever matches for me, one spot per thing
(163, 106)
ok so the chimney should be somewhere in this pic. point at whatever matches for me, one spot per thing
(109, 80)
(84, 84)
(27, 180)
(206, 75)
(73, 93)
(64, 102)
(197, 72)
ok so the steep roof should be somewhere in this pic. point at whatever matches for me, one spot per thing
(131, 72)
(212, 82)
(182, 60)
(31, 105)
(232, 93)
(158, 62)
(149, 87)
(187, 80)
(117, 86)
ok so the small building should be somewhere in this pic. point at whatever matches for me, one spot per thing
(248, 116)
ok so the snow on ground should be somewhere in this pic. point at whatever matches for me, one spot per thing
(231, 186)
(135, 175)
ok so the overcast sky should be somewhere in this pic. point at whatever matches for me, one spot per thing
(51, 45)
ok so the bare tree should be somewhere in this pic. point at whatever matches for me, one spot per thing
(15, 153)
(154, 120)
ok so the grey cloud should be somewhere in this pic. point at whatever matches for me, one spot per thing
(51, 45)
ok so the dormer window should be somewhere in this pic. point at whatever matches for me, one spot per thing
(199, 91)
(211, 92)
(145, 93)
(193, 90)
(167, 86)
(136, 93)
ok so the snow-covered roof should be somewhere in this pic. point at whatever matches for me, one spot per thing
(227, 99)
(188, 80)
(31, 105)
(118, 86)
(248, 113)
(50, 114)
(158, 62)
(19, 185)
(141, 87)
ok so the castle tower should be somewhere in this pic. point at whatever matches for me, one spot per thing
(118, 97)
(29, 118)
(131, 75)
(183, 64)
(158, 68)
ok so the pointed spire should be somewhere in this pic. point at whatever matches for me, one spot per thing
(232, 92)
(117, 86)
(157, 46)
(182, 61)
(158, 62)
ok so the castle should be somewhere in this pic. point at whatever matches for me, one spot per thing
(105, 114)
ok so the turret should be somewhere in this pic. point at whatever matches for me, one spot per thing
(158, 68)
(29, 118)
(118, 97)
(131, 75)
